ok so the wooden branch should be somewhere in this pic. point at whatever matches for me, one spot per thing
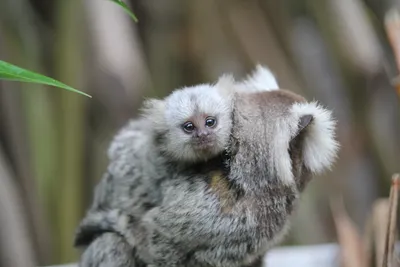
(380, 217)
(392, 221)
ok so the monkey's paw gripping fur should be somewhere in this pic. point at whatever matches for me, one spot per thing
(227, 211)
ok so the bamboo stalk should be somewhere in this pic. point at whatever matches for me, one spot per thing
(69, 60)
(31, 134)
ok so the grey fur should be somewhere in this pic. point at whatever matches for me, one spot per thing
(164, 205)
(182, 223)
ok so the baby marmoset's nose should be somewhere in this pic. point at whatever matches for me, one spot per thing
(202, 133)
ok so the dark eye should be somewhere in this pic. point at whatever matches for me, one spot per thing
(210, 122)
(188, 127)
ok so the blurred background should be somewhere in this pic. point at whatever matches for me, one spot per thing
(53, 142)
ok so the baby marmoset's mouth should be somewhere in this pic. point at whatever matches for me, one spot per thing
(203, 143)
(204, 146)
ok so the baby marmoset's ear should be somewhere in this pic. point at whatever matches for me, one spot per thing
(226, 86)
(317, 127)
(154, 110)
(259, 80)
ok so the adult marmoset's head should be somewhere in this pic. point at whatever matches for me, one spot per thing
(279, 135)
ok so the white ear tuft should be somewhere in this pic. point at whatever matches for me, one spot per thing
(320, 147)
(261, 79)
(226, 85)
(226, 80)
(153, 110)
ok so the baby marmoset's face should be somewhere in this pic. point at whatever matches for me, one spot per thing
(198, 123)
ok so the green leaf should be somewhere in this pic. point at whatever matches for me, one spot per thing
(126, 8)
(13, 73)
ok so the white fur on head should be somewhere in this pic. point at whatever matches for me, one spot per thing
(261, 79)
(320, 147)
(319, 144)
(283, 132)
(168, 115)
